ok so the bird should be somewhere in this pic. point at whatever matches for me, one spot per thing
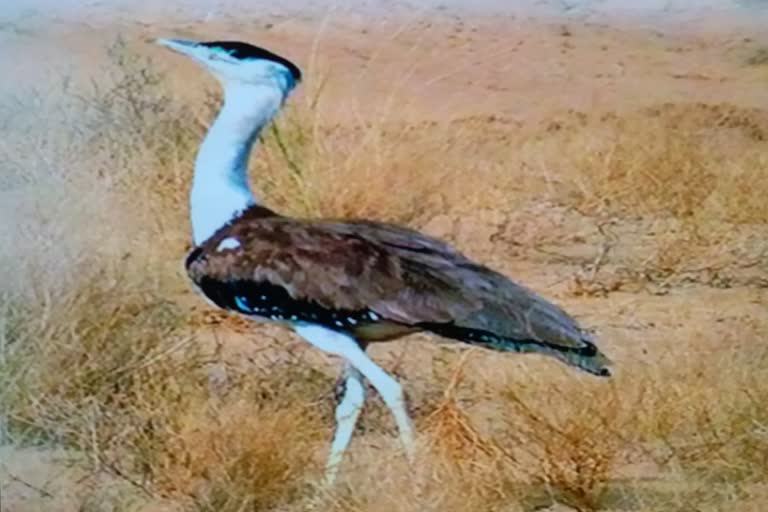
(342, 284)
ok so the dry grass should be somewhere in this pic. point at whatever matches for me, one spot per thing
(571, 447)
(364, 169)
(101, 352)
(681, 160)
(450, 431)
(235, 456)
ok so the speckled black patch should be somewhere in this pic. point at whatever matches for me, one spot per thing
(490, 340)
(493, 341)
(244, 51)
(272, 302)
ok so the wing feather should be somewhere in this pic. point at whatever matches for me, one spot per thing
(399, 273)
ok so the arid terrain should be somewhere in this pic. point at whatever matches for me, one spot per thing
(620, 170)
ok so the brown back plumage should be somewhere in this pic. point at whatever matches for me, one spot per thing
(406, 278)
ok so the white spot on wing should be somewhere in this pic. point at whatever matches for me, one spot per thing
(228, 243)
(373, 316)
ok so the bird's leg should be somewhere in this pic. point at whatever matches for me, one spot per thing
(340, 344)
(350, 401)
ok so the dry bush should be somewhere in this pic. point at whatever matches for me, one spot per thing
(119, 382)
(111, 186)
(450, 432)
(565, 439)
(141, 137)
(238, 455)
(677, 185)
(401, 172)
(383, 482)
(681, 426)
(669, 159)
(723, 441)
(88, 371)
(699, 423)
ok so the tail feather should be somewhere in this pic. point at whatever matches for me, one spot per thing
(587, 357)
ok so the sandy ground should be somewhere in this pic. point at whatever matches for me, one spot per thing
(449, 66)
(649, 10)
(446, 65)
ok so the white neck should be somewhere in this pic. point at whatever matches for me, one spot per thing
(220, 188)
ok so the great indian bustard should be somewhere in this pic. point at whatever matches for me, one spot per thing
(342, 284)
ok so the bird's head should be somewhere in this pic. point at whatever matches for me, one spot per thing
(235, 63)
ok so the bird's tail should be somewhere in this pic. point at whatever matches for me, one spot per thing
(589, 358)
(586, 357)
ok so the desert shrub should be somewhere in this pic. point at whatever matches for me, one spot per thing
(668, 159)
(569, 442)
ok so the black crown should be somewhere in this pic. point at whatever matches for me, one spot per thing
(246, 51)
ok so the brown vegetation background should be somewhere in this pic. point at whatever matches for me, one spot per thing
(621, 171)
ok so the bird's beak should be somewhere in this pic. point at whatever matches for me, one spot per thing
(183, 46)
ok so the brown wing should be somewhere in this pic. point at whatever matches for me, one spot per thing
(496, 304)
(400, 274)
(333, 265)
